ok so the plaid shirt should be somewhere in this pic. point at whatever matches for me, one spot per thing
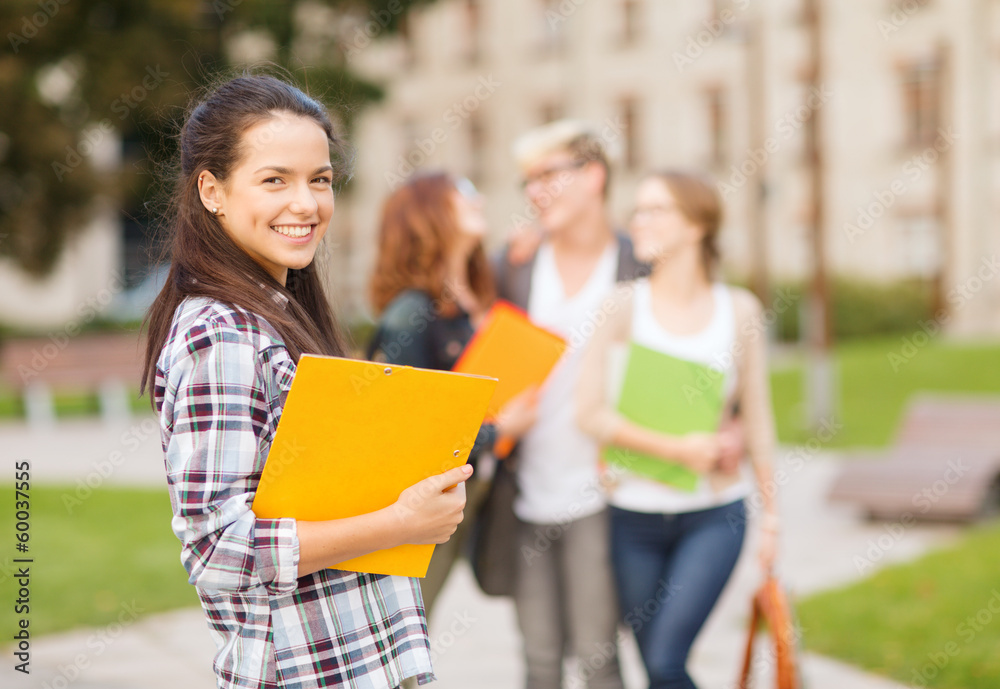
(221, 380)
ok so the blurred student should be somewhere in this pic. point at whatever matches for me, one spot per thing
(673, 546)
(431, 286)
(242, 302)
(564, 590)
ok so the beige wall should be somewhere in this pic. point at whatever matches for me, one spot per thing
(866, 45)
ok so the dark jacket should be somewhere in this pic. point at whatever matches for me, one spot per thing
(412, 332)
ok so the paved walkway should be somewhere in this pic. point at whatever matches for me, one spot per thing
(474, 637)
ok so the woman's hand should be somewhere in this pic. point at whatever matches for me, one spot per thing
(700, 451)
(767, 553)
(518, 415)
(769, 529)
(431, 510)
(733, 447)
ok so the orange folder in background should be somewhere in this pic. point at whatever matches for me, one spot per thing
(354, 434)
(509, 347)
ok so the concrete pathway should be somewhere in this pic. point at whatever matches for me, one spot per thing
(475, 638)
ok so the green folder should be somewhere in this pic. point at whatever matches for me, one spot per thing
(670, 395)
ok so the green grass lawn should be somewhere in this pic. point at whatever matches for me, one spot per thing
(934, 622)
(114, 550)
(873, 396)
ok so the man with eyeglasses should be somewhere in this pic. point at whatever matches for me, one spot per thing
(564, 589)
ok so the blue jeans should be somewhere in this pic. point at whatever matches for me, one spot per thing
(670, 570)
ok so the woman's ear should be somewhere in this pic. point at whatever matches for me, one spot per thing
(211, 192)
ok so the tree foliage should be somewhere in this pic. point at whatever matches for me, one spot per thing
(76, 75)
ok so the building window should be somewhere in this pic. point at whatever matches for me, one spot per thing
(722, 10)
(554, 15)
(921, 103)
(631, 147)
(472, 31)
(630, 11)
(920, 244)
(718, 144)
(406, 38)
(906, 6)
(477, 148)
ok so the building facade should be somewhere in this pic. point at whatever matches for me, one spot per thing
(902, 116)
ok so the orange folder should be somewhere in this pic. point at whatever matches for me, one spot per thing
(509, 347)
(354, 434)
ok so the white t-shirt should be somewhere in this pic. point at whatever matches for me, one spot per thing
(713, 346)
(558, 476)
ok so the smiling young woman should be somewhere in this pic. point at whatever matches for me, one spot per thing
(242, 302)
(276, 212)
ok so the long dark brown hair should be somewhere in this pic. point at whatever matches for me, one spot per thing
(205, 261)
(418, 230)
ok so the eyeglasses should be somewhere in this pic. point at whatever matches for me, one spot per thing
(548, 175)
(466, 188)
(650, 212)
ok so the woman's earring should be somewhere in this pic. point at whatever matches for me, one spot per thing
(215, 211)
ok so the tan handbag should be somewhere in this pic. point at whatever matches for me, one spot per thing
(770, 604)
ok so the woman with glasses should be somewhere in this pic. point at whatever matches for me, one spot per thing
(677, 502)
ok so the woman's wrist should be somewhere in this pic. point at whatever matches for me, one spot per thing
(672, 447)
(770, 522)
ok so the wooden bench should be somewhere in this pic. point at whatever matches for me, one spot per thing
(944, 464)
(108, 364)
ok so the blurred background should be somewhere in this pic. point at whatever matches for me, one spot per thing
(856, 145)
